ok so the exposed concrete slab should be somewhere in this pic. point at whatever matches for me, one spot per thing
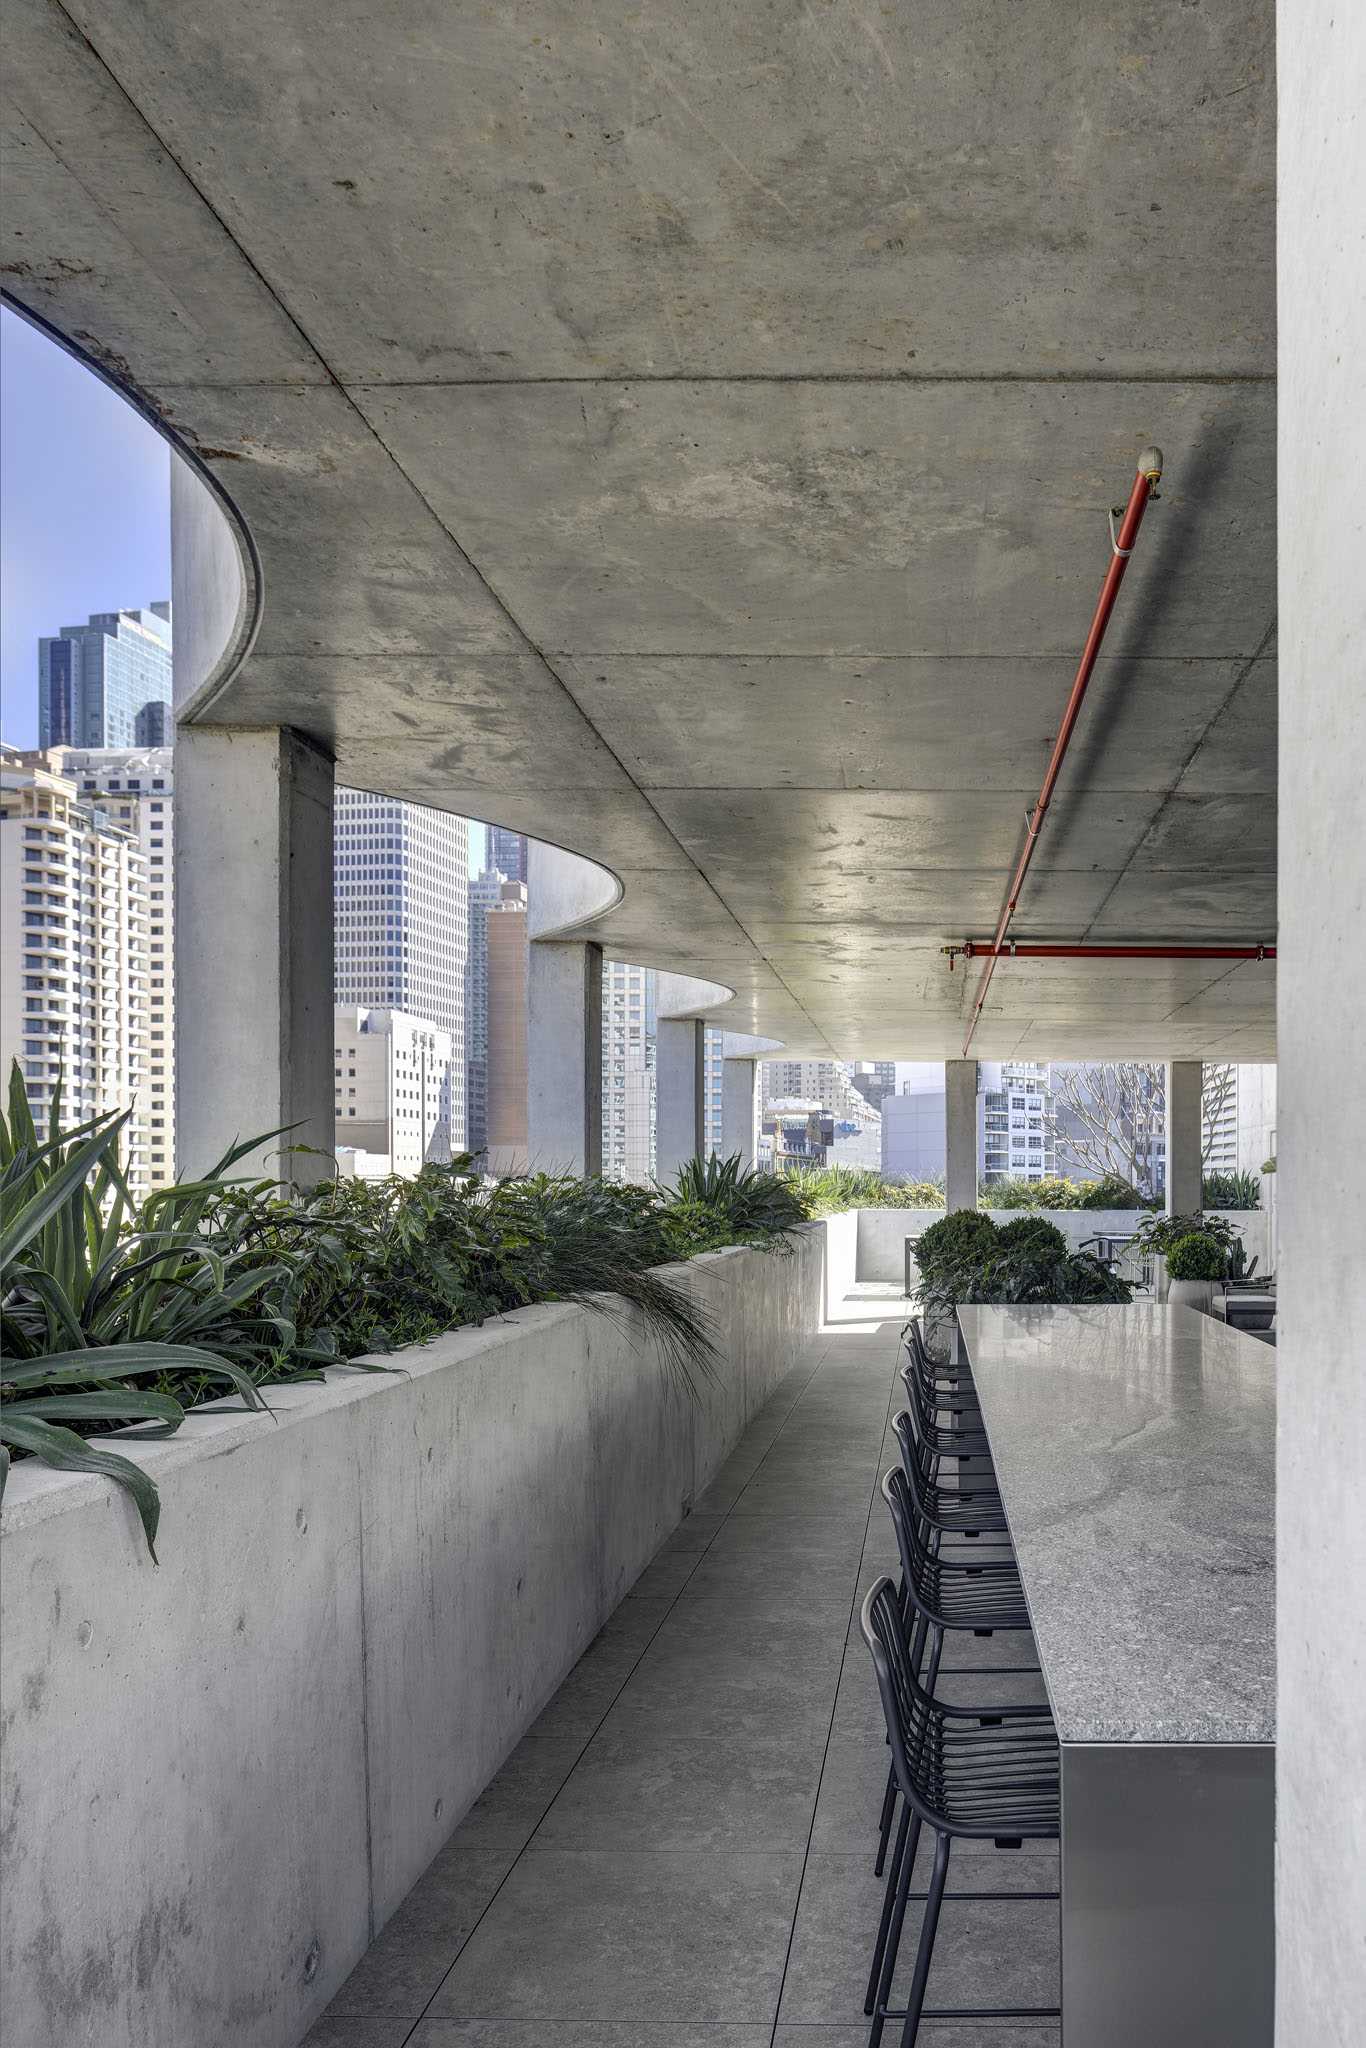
(631, 409)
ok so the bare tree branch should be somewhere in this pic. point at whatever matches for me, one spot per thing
(1111, 1118)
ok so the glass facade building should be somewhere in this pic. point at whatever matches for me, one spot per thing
(107, 683)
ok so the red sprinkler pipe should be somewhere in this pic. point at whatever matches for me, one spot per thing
(1030, 949)
(1121, 547)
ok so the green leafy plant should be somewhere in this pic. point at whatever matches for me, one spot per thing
(1157, 1234)
(1018, 1191)
(1033, 1234)
(748, 1204)
(1198, 1256)
(1020, 1275)
(828, 1190)
(91, 1305)
(962, 1235)
(1110, 1193)
(1231, 1191)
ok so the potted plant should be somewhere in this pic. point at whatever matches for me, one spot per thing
(1195, 1264)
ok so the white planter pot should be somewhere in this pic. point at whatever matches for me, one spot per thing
(1191, 1294)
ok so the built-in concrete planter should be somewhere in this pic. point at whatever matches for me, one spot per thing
(223, 1775)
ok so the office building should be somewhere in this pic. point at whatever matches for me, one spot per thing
(827, 1082)
(713, 1070)
(507, 853)
(913, 1132)
(508, 963)
(1240, 1120)
(401, 874)
(136, 790)
(107, 683)
(74, 953)
(874, 1080)
(394, 1080)
(484, 891)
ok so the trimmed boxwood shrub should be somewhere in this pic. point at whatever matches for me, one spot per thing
(962, 1234)
(1196, 1257)
(1033, 1234)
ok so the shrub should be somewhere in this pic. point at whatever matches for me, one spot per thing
(1197, 1257)
(962, 1235)
(1024, 1274)
(1231, 1191)
(114, 1313)
(1110, 1193)
(1033, 1234)
(827, 1190)
(745, 1204)
(1017, 1191)
(1158, 1233)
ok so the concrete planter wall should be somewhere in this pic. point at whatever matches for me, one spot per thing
(223, 1775)
(882, 1233)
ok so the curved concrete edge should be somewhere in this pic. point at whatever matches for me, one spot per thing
(566, 891)
(679, 996)
(361, 1606)
(217, 581)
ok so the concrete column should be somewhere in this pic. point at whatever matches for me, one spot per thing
(564, 1057)
(253, 948)
(680, 1099)
(740, 1110)
(1321, 1000)
(960, 1133)
(1185, 1137)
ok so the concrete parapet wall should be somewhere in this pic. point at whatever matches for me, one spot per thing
(222, 1775)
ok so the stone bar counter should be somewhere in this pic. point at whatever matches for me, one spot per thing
(1135, 1449)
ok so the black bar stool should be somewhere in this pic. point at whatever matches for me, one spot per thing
(962, 1774)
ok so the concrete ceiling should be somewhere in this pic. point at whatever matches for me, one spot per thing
(685, 432)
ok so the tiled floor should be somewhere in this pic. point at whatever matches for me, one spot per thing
(679, 1854)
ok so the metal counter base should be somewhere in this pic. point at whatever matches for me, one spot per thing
(1168, 1925)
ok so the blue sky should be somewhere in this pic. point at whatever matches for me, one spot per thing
(85, 510)
(85, 513)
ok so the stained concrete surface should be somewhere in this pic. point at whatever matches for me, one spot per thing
(687, 434)
(680, 1851)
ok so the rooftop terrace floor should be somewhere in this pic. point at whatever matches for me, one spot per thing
(679, 1853)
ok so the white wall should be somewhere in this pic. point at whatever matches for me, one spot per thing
(1321, 983)
(223, 1775)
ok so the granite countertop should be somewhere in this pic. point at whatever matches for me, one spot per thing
(1136, 1453)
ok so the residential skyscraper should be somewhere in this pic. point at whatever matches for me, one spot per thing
(402, 911)
(393, 1080)
(136, 789)
(73, 953)
(628, 1071)
(1015, 1120)
(107, 683)
(507, 853)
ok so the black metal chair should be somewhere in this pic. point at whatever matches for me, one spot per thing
(960, 1773)
(968, 1510)
(939, 1594)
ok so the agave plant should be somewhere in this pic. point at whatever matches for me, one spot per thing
(748, 1204)
(86, 1307)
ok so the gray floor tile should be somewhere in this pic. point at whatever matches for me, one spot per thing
(626, 1936)
(646, 1786)
(933, 2034)
(986, 1954)
(438, 2033)
(378, 2030)
(401, 1969)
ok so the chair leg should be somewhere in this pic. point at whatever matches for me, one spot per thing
(925, 1952)
(885, 1824)
(888, 1898)
(892, 1941)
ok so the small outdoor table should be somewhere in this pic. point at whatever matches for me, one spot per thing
(1135, 1449)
